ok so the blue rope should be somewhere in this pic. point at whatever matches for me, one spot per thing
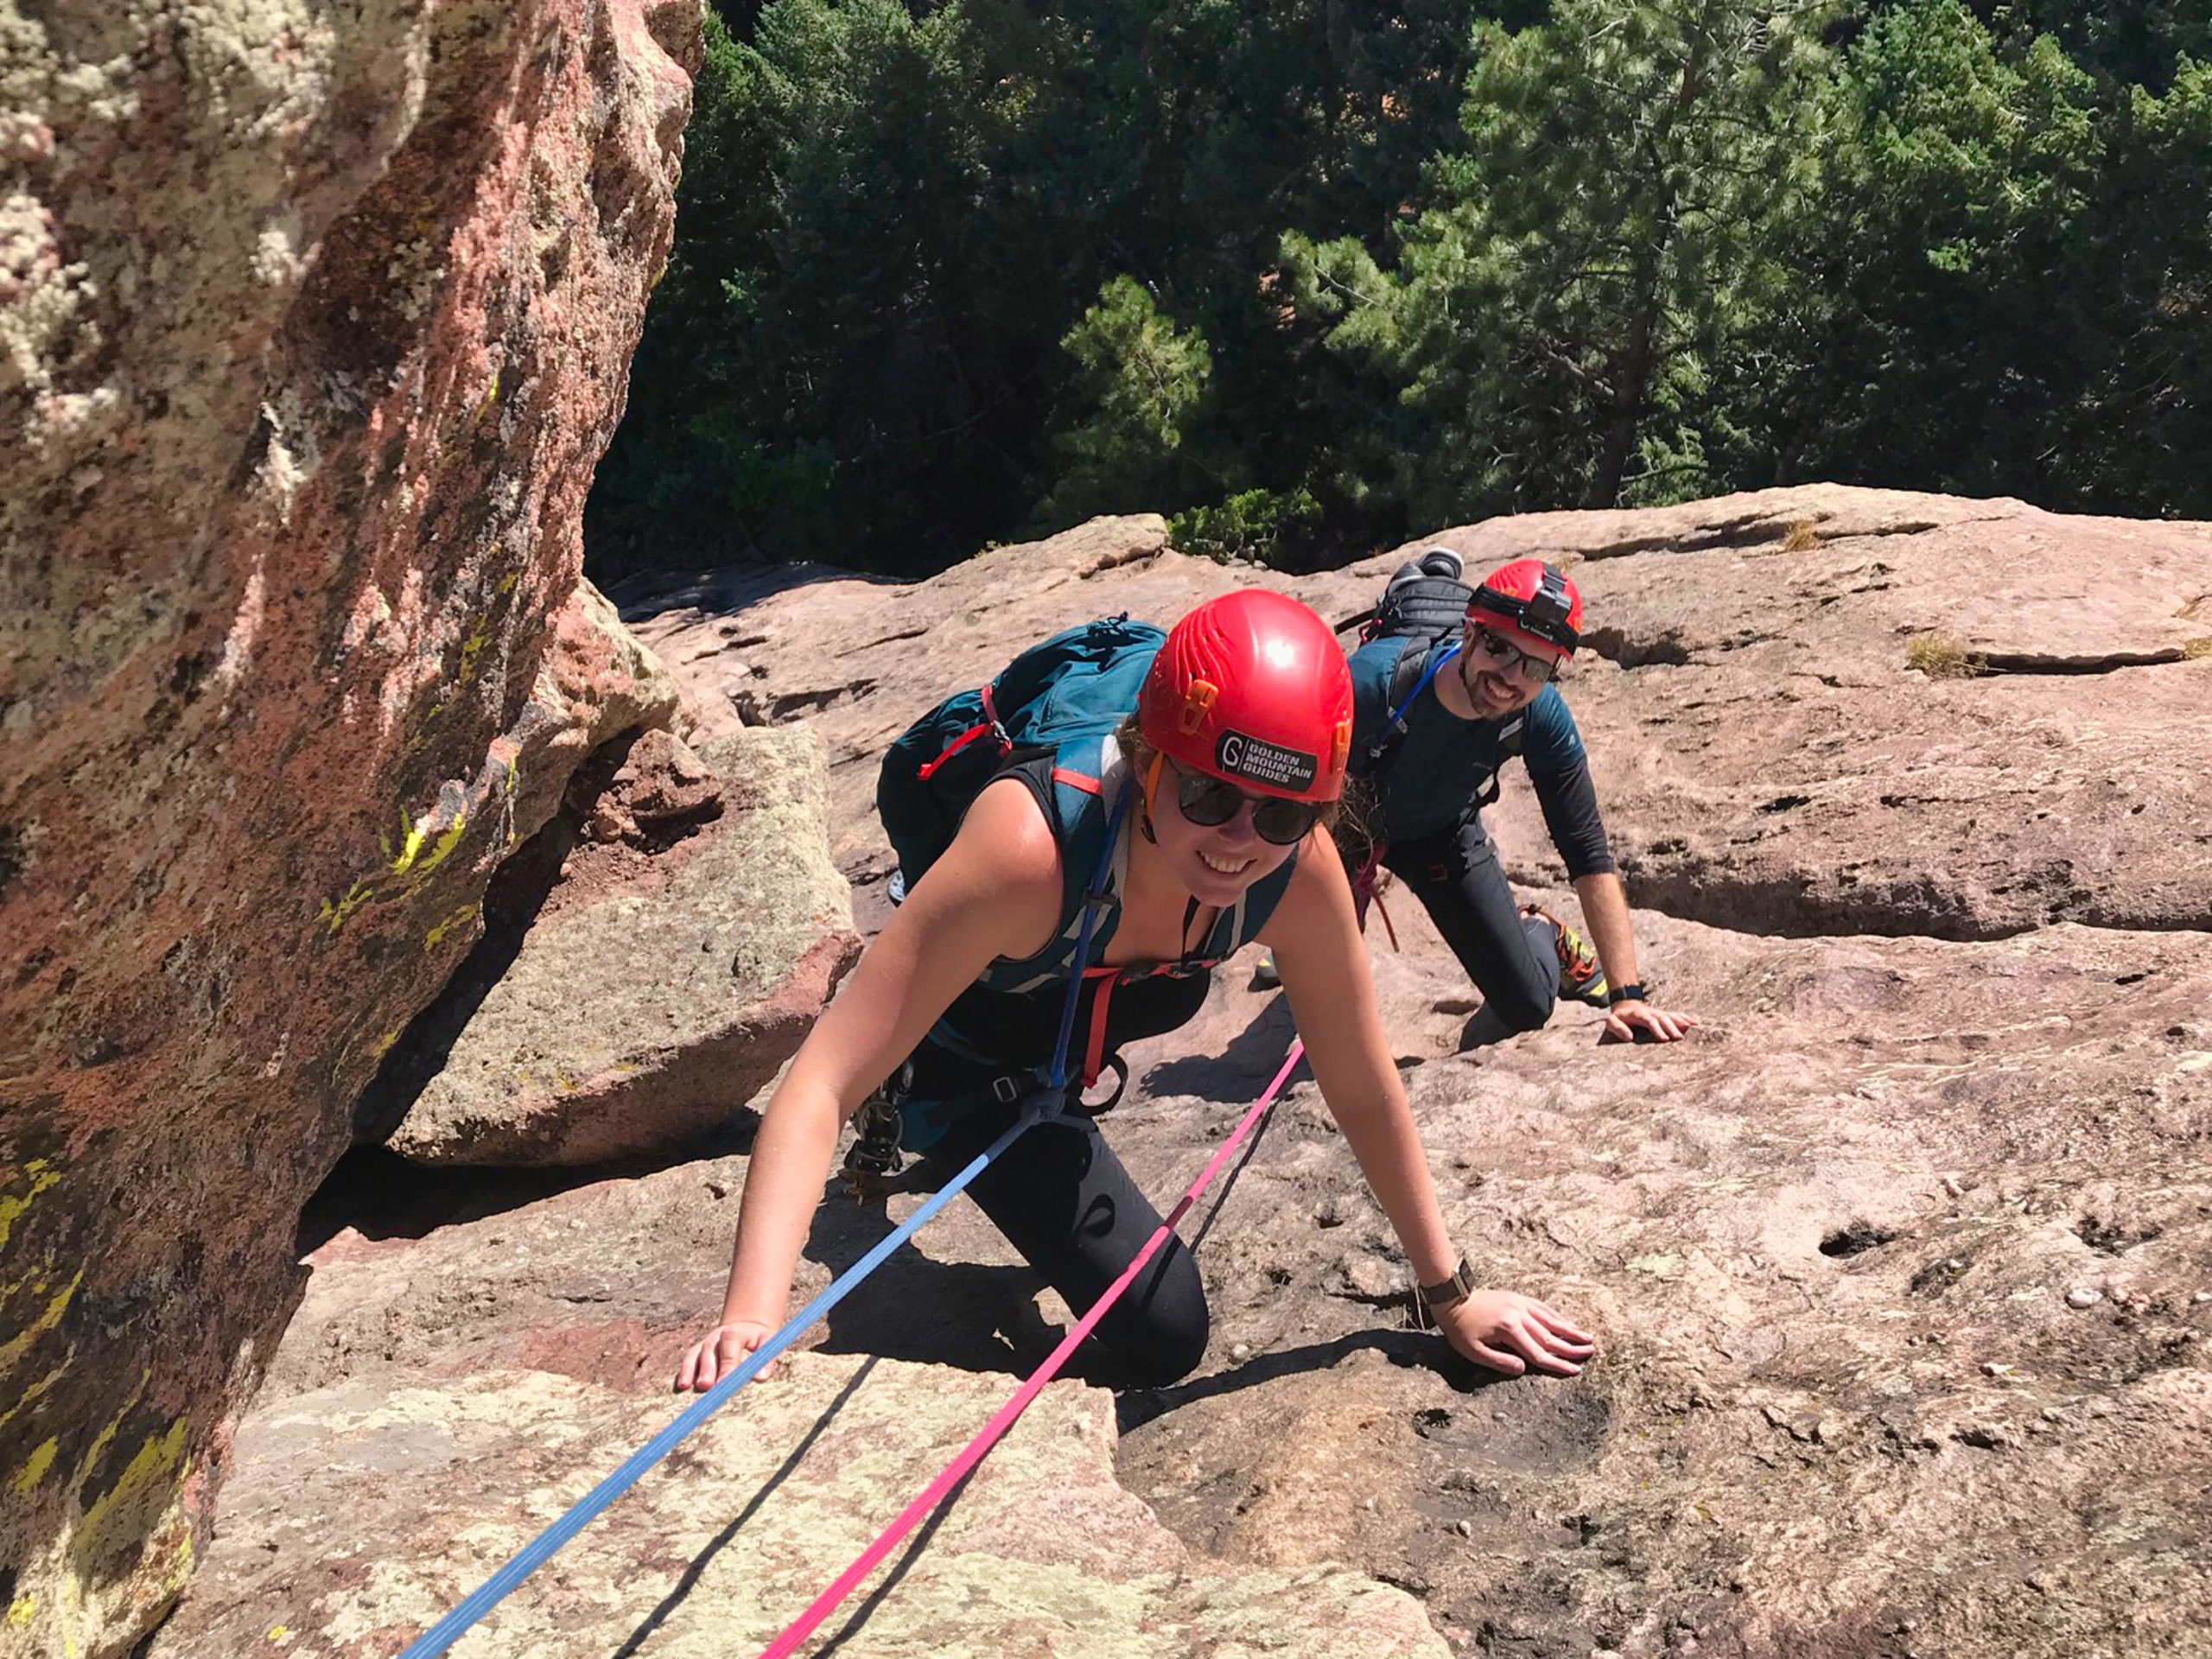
(1040, 1103)
(1399, 713)
(532, 1555)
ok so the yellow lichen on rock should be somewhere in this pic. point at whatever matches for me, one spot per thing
(42, 1176)
(155, 1474)
(34, 1468)
(461, 915)
(13, 1349)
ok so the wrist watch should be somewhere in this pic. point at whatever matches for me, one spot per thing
(1445, 1292)
(1632, 992)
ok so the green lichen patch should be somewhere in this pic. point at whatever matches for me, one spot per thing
(121, 1520)
(34, 1469)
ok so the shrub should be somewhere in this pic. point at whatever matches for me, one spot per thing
(1251, 525)
(1940, 657)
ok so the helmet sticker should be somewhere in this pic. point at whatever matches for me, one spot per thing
(1269, 764)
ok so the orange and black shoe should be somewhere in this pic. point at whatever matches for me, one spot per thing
(1581, 977)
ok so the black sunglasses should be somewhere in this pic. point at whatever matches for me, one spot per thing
(1206, 801)
(1507, 655)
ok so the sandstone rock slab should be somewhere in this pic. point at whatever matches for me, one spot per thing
(1826, 1245)
(1847, 1404)
(1908, 779)
(361, 1514)
(635, 1019)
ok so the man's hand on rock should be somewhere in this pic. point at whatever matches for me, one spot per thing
(1638, 1021)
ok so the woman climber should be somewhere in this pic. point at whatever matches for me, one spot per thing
(1110, 869)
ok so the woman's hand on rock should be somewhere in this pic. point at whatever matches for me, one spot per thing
(721, 1351)
(1512, 1333)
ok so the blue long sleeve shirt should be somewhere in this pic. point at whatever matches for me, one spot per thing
(1441, 768)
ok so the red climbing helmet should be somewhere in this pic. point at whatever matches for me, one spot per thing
(1532, 598)
(1252, 687)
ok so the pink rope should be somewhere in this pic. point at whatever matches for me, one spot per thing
(973, 1452)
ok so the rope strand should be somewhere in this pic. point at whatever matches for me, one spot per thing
(973, 1452)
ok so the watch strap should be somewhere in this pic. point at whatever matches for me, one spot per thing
(1445, 1292)
(1632, 992)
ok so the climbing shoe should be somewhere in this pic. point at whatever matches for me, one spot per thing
(1264, 977)
(1580, 978)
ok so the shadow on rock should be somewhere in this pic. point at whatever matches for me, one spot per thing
(913, 1552)
(1239, 1071)
(971, 1317)
(649, 593)
(381, 1195)
(1409, 1349)
(721, 1541)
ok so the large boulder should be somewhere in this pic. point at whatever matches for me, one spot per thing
(313, 322)
(695, 931)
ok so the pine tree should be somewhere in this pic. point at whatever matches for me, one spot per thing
(1603, 245)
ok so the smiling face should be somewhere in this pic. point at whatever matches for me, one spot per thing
(1216, 862)
(1504, 669)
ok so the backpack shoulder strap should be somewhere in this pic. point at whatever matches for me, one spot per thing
(1409, 676)
(1249, 915)
(1510, 738)
(1515, 735)
(1073, 785)
(1405, 676)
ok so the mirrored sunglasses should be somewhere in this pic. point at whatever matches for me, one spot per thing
(1507, 655)
(1206, 801)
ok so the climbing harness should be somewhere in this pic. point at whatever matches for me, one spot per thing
(973, 1453)
(872, 1162)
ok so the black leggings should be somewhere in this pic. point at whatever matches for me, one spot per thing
(1063, 1200)
(1512, 958)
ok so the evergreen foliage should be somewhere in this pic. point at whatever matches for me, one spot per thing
(1313, 278)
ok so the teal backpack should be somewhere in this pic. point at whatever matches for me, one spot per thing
(1067, 694)
(1058, 704)
(1053, 708)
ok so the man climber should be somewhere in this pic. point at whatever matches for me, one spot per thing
(1437, 712)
